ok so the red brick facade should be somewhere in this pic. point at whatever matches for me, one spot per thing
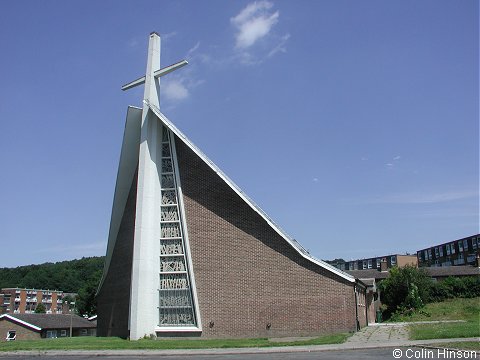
(250, 281)
(22, 332)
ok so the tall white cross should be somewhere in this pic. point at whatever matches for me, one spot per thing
(153, 73)
(144, 297)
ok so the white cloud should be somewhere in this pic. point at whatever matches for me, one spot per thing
(174, 89)
(315, 179)
(168, 35)
(398, 157)
(193, 49)
(253, 23)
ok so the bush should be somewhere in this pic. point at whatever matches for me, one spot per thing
(451, 287)
(405, 290)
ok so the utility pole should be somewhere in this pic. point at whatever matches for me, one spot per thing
(71, 316)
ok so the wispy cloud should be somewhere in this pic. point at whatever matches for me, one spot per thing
(424, 198)
(177, 86)
(395, 159)
(280, 47)
(253, 23)
(193, 49)
(168, 35)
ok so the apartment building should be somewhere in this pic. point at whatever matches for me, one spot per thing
(458, 252)
(25, 301)
(375, 262)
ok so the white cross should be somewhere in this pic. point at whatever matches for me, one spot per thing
(154, 72)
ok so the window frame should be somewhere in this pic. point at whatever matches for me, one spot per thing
(9, 337)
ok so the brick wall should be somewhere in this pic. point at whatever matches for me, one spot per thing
(23, 332)
(247, 276)
(114, 297)
(403, 260)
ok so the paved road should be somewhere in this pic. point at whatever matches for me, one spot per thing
(361, 354)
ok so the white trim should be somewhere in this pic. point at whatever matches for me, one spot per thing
(299, 248)
(186, 245)
(20, 321)
(178, 329)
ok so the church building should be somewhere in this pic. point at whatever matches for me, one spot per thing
(189, 254)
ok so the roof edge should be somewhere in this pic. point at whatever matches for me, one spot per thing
(14, 319)
(292, 242)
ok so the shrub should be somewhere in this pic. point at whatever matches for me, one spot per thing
(451, 287)
(405, 290)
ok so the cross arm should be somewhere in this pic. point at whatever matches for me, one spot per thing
(156, 74)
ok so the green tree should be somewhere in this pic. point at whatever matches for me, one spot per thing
(40, 309)
(86, 301)
(406, 288)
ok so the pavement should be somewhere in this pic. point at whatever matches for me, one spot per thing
(370, 337)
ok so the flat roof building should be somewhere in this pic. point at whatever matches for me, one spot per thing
(25, 301)
(462, 251)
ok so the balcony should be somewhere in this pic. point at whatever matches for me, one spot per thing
(17, 299)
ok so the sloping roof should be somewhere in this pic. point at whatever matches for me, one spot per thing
(299, 248)
(446, 271)
(368, 274)
(49, 321)
(443, 271)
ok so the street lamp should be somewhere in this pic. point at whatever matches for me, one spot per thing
(71, 316)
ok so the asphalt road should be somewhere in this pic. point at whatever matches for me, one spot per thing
(385, 353)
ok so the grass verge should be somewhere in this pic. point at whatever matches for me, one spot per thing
(452, 309)
(444, 330)
(98, 343)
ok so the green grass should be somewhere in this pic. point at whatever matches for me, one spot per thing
(445, 330)
(462, 345)
(98, 343)
(451, 309)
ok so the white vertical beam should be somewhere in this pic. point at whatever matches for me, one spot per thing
(146, 248)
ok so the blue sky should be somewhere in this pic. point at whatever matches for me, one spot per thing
(354, 125)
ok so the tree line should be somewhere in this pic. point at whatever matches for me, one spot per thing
(80, 276)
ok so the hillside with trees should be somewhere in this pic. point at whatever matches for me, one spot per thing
(79, 276)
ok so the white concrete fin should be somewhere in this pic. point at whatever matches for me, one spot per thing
(126, 170)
